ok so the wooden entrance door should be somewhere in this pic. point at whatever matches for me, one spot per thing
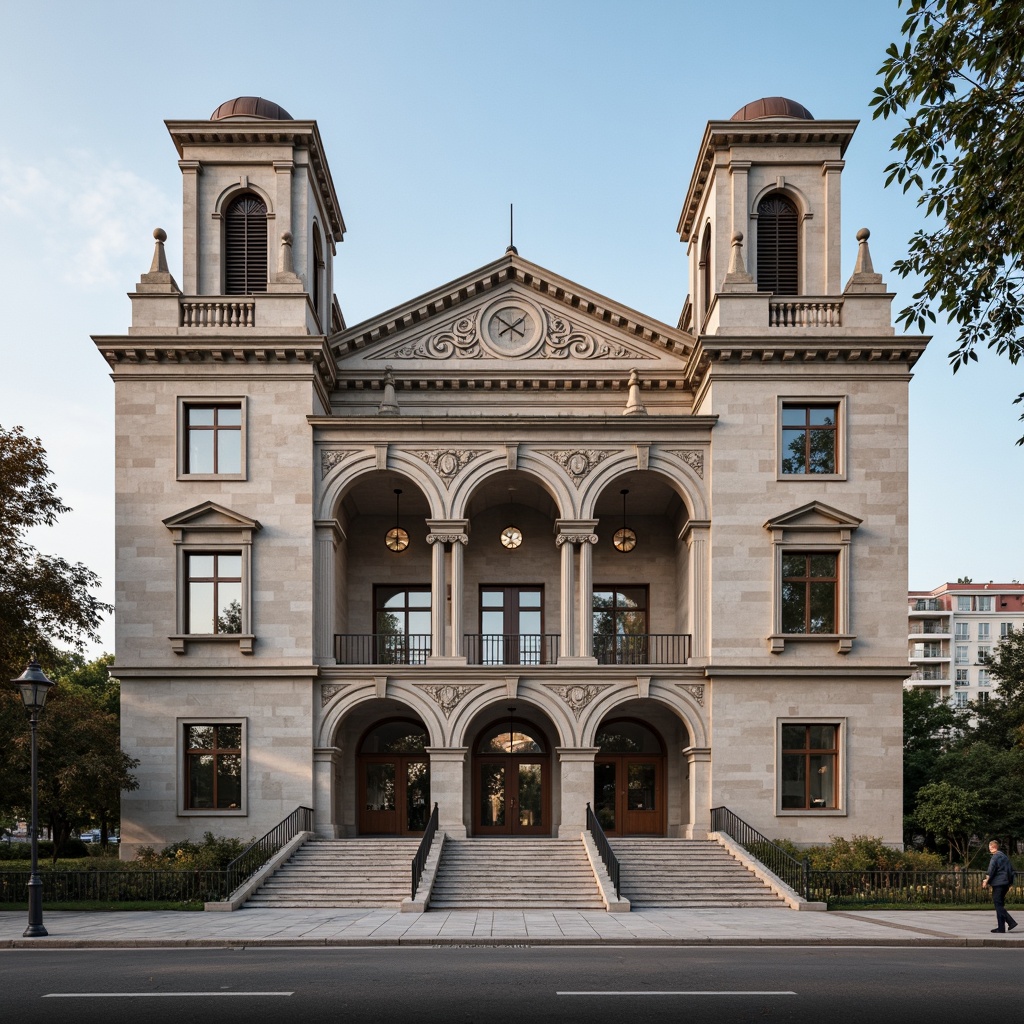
(629, 780)
(393, 779)
(512, 781)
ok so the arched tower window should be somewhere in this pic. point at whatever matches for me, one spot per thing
(705, 274)
(245, 246)
(318, 271)
(777, 263)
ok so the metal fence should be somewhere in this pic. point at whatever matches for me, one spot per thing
(642, 648)
(907, 887)
(118, 886)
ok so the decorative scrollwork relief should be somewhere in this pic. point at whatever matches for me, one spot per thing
(577, 462)
(578, 695)
(695, 690)
(327, 693)
(447, 696)
(447, 463)
(693, 457)
(331, 457)
(566, 339)
(457, 339)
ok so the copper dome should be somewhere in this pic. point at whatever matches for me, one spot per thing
(772, 106)
(251, 106)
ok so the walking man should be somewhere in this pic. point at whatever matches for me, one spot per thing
(1000, 877)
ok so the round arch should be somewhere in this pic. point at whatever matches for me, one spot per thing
(677, 475)
(547, 475)
(360, 466)
(236, 189)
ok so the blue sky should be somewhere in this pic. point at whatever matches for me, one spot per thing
(435, 116)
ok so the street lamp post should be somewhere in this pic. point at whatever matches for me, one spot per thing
(33, 686)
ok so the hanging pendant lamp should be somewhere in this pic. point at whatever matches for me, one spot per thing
(396, 538)
(624, 538)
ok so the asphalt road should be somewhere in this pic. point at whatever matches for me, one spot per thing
(501, 985)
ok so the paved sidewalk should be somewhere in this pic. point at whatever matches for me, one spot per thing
(267, 927)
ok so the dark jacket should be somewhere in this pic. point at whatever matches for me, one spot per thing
(999, 869)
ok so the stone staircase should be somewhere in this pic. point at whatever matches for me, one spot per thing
(686, 873)
(519, 874)
(341, 873)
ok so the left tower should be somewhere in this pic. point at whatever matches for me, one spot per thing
(215, 382)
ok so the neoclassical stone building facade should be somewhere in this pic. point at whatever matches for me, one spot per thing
(512, 547)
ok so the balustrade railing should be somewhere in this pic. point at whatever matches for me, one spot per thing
(382, 648)
(792, 871)
(423, 851)
(218, 313)
(642, 648)
(511, 648)
(611, 862)
(809, 312)
(258, 853)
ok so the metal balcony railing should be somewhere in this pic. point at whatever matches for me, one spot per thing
(511, 648)
(381, 648)
(642, 648)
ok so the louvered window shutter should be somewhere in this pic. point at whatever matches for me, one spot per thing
(245, 246)
(777, 265)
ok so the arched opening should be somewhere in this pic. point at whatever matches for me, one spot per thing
(630, 795)
(778, 268)
(393, 778)
(705, 274)
(245, 245)
(317, 273)
(511, 779)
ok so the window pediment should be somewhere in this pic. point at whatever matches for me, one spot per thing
(814, 516)
(211, 516)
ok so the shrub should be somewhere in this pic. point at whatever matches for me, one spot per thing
(214, 853)
(71, 849)
(863, 853)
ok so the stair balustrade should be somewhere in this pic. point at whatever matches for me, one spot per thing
(256, 854)
(611, 862)
(420, 860)
(795, 873)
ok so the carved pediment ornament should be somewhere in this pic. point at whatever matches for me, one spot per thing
(328, 691)
(568, 340)
(693, 457)
(457, 339)
(447, 463)
(578, 695)
(447, 696)
(577, 462)
(331, 457)
(695, 690)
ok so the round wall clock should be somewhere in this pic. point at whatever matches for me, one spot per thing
(511, 537)
(624, 539)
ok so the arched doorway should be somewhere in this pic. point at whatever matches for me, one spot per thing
(629, 779)
(512, 780)
(393, 778)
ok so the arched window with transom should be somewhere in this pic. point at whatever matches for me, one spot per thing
(777, 245)
(245, 245)
(705, 274)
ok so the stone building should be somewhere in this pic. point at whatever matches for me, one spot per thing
(512, 547)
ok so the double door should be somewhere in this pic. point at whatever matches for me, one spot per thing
(394, 794)
(512, 795)
(629, 797)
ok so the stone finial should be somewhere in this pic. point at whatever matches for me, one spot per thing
(634, 404)
(864, 277)
(158, 279)
(389, 403)
(737, 279)
(286, 264)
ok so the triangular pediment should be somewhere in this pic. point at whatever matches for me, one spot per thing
(815, 515)
(210, 516)
(512, 317)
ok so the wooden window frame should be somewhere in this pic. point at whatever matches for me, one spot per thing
(839, 752)
(806, 581)
(788, 402)
(183, 725)
(186, 403)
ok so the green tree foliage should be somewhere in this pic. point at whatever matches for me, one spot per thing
(1001, 717)
(958, 82)
(929, 725)
(46, 602)
(950, 812)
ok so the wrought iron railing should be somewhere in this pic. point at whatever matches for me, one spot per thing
(792, 871)
(511, 648)
(382, 648)
(642, 648)
(423, 851)
(254, 856)
(123, 885)
(909, 887)
(611, 862)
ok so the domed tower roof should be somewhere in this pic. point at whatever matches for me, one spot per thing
(772, 106)
(251, 107)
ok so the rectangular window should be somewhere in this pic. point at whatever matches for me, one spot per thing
(986, 604)
(213, 439)
(984, 630)
(963, 631)
(1005, 628)
(619, 623)
(213, 766)
(809, 584)
(512, 626)
(984, 677)
(809, 439)
(961, 656)
(214, 593)
(984, 652)
(982, 697)
(810, 762)
(962, 678)
(963, 604)
(961, 699)
(402, 625)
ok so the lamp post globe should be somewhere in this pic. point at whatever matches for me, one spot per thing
(33, 686)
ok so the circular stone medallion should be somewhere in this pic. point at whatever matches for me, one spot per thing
(511, 327)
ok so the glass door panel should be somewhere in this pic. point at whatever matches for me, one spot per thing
(417, 795)
(378, 812)
(604, 794)
(530, 797)
(492, 795)
(643, 813)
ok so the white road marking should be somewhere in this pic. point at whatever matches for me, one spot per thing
(151, 995)
(650, 993)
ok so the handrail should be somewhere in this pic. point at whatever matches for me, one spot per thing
(795, 873)
(420, 860)
(611, 862)
(256, 854)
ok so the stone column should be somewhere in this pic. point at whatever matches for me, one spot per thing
(447, 629)
(739, 178)
(568, 648)
(696, 534)
(282, 206)
(447, 789)
(438, 597)
(586, 591)
(455, 647)
(329, 535)
(698, 760)
(831, 282)
(326, 761)
(577, 789)
(576, 610)
(190, 241)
